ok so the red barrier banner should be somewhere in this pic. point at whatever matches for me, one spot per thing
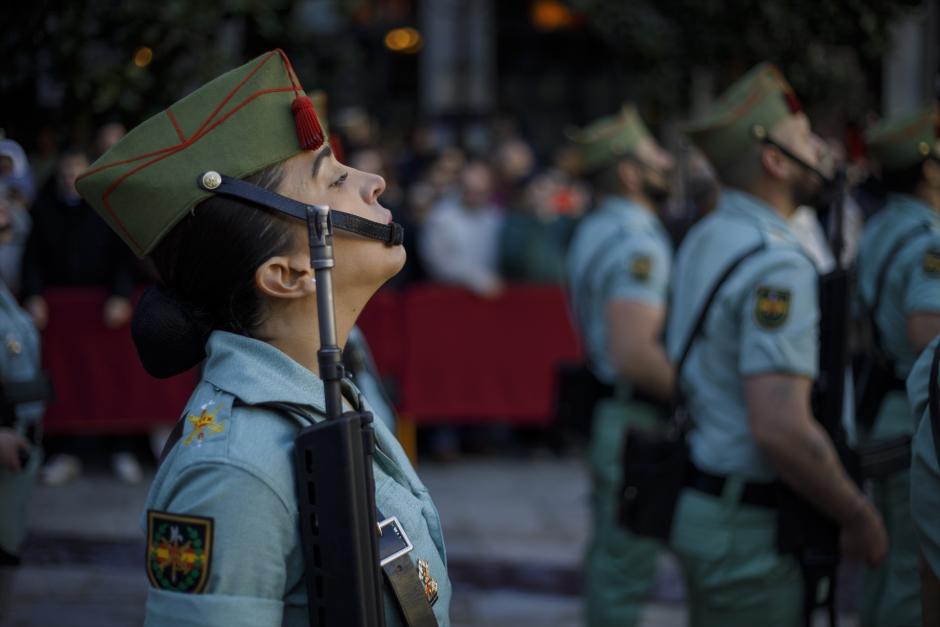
(457, 358)
(469, 359)
(99, 383)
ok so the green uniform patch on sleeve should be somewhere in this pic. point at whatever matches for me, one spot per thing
(772, 307)
(179, 551)
(640, 267)
(931, 262)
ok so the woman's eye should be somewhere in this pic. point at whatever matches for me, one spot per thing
(340, 180)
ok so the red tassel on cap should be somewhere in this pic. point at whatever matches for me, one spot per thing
(309, 132)
(793, 103)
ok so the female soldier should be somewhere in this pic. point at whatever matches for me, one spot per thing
(237, 289)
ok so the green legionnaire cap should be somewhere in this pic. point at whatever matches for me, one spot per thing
(904, 141)
(248, 119)
(608, 139)
(746, 112)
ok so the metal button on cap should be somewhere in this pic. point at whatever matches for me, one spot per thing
(211, 179)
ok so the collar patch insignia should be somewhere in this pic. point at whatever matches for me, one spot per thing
(640, 267)
(205, 421)
(430, 586)
(931, 262)
(772, 307)
(179, 551)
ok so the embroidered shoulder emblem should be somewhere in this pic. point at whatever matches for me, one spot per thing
(430, 586)
(931, 262)
(179, 551)
(640, 267)
(205, 421)
(772, 307)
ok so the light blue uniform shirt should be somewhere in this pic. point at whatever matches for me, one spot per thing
(925, 466)
(19, 361)
(738, 340)
(239, 474)
(912, 283)
(620, 251)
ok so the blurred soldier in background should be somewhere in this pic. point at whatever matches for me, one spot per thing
(618, 275)
(749, 374)
(20, 455)
(899, 286)
(923, 389)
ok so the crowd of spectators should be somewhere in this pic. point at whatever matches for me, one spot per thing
(475, 218)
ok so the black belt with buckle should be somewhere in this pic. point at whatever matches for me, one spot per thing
(755, 494)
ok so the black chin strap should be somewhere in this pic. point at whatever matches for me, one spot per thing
(389, 234)
(789, 154)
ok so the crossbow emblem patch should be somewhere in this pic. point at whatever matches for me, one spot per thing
(179, 551)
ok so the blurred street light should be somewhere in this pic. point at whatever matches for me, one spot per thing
(406, 40)
(549, 15)
(143, 56)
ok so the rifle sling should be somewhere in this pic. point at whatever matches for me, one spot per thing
(699, 325)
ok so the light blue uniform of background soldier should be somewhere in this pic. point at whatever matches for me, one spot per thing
(248, 450)
(19, 361)
(925, 482)
(747, 378)
(902, 242)
(618, 276)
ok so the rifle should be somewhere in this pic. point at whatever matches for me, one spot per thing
(335, 485)
(803, 530)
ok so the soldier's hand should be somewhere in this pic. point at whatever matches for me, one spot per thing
(865, 537)
(37, 308)
(11, 443)
(117, 312)
(491, 289)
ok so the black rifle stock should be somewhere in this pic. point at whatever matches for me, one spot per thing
(335, 485)
(804, 530)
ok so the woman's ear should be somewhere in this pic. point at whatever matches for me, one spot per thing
(285, 277)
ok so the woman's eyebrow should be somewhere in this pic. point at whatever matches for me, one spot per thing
(326, 152)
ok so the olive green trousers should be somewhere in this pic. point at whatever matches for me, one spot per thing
(733, 573)
(891, 592)
(619, 566)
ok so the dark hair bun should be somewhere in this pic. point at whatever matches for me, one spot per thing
(168, 337)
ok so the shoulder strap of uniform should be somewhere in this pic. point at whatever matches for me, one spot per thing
(709, 300)
(933, 403)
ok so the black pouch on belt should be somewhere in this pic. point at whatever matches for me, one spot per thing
(655, 465)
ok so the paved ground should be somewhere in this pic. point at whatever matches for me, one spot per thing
(515, 532)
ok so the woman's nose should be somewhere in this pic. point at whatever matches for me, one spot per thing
(373, 188)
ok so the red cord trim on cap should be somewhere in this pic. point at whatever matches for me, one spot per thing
(205, 122)
(179, 131)
(290, 71)
(176, 149)
(232, 93)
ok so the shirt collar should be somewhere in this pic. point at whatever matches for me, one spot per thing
(256, 372)
(627, 208)
(914, 206)
(743, 205)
